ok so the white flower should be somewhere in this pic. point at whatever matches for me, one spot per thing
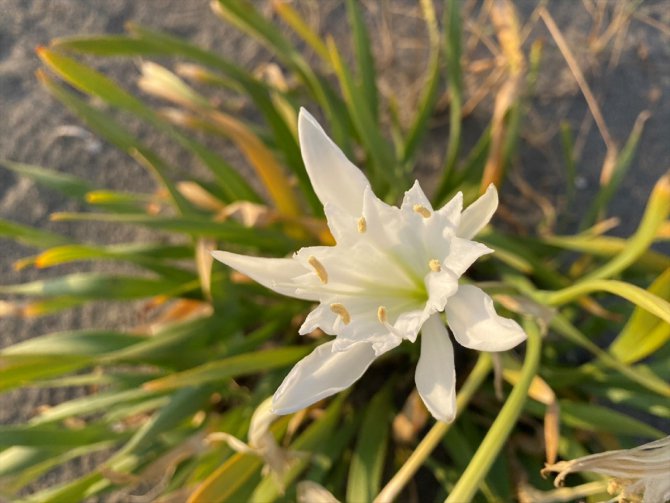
(640, 474)
(390, 275)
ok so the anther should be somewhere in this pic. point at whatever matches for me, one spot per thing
(318, 269)
(362, 225)
(382, 315)
(342, 312)
(421, 210)
(434, 265)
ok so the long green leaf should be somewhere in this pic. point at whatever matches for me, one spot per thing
(367, 462)
(29, 235)
(81, 343)
(67, 184)
(22, 370)
(365, 63)
(195, 226)
(93, 286)
(222, 370)
(54, 436)
(644, 333)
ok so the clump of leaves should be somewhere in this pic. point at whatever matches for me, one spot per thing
(216, 345)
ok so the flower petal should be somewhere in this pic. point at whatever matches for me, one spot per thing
(320, 374)
(435, 373)
(462, 254)
(475, 323)
(413, 197)
(334, 178)
(278, 274)
(478, 214)
(440, 286)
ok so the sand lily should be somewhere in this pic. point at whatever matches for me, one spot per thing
(390, 276)
(640, 474)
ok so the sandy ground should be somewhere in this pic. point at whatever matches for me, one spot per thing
(635, 80)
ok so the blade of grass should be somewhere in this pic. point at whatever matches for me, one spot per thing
(30, 236)
(367, 462)
(452, 51)
(621, 164)
(364, 60)
(93, 286)
(232, 366)
(428, 98)
(67, 184)
(265, 239)
(643, 334)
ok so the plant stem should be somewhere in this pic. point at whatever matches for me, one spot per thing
(467, 485)
(432, 438)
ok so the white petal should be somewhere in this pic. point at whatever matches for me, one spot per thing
(475, 323)
(462, 254)
(451, 212)
(415, 196)
(342, 225)
(278, 274)
(320, 374)
(478, 214)
(435, 372)
(440, 286)
(334, 178)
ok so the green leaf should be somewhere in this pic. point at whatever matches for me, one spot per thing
(601, 419)
(369, 456)
(106, 127)
(364, 61)
(452, 50)
(94, 286)
(232, 366)
(642, 298)
(385, 167)
(646, 379)
(622, 163)
(655, 214)
(314, 440)
(79, 343)
(67, 184)
(105, 402)
(227, 479)
(644, 333)
(194, 226)
(426, 107)
(53, 436)
(22, 370)
(29, 235)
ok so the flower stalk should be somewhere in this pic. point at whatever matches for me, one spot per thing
(467, 485)
(436, 433)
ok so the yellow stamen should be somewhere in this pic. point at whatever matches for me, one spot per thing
(318, 269)
(362, 225)
(342, 312)
(421, 210)
(382, 315)
(434, 265)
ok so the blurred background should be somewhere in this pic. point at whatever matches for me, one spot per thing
(622, 48)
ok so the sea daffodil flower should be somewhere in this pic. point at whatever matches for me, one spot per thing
(391, 274)
(640, 474)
